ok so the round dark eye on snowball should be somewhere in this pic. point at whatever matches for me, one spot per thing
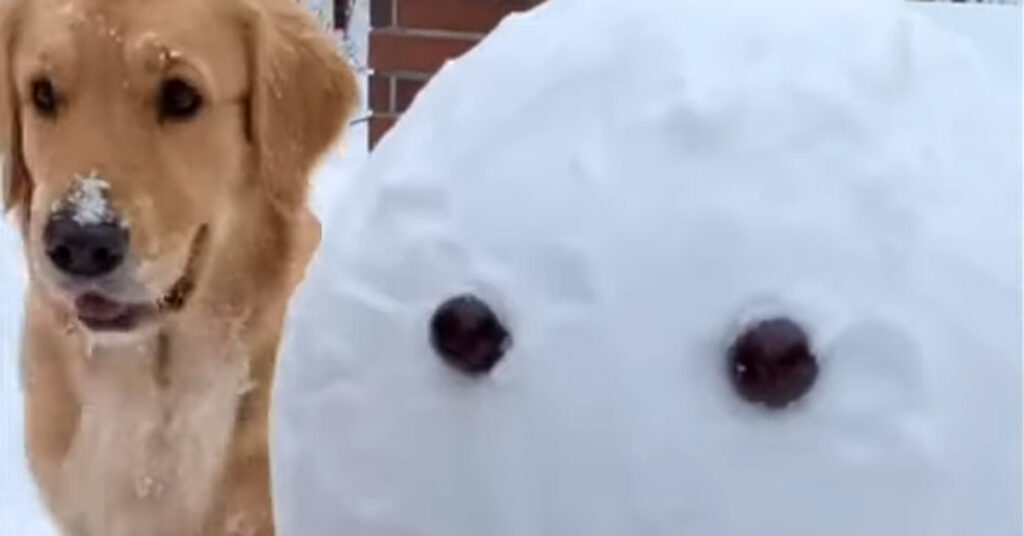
(772, 363)
(467, 335)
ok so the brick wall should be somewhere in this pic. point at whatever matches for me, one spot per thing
(411, 39)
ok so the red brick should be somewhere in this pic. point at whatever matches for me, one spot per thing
(405, 91)
(402, 52)
(379, 126)
(380, 93)
(479, 16)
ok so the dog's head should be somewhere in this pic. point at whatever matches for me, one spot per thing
(133, 131)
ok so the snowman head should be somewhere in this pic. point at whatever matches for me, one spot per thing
(661, 268)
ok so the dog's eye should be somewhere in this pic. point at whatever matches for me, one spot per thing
(179, 100)
(44, 97)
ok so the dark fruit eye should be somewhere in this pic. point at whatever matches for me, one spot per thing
(467, 335)
(771, 363)
(44, 97)
(178, 100)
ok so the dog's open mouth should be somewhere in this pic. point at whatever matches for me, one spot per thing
(101, 313)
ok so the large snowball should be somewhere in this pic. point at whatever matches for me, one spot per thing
(628, 185)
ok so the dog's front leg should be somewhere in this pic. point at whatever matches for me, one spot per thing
(52, 411)
(244, 505)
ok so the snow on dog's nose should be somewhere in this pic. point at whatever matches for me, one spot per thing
(84, 238)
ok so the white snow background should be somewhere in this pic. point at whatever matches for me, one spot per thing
(995, 30)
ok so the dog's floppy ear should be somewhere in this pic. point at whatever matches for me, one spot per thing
(303, 94)
(17, 187)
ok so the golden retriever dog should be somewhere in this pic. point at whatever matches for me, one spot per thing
(157, 156)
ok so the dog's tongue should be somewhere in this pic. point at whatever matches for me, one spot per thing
(95, 307)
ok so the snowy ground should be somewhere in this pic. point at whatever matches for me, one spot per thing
(996, 30)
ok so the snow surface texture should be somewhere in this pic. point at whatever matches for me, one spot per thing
(20, 510)
(994, 30)
(628, 184)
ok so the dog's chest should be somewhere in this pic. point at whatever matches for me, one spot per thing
(151, 443)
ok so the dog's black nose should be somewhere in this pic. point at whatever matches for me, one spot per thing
(84, 249)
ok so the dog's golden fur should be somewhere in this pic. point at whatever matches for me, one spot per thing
(162, 431)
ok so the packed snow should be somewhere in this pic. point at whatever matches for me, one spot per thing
(994, 30)
(88, 200)
(20, 510)
(625, 188)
